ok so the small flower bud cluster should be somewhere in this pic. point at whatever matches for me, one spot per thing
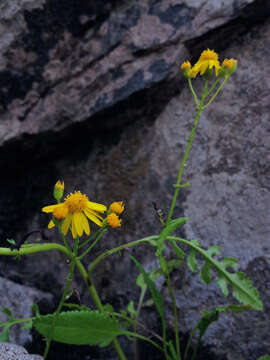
(115, 209)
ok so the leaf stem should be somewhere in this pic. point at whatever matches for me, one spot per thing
(92, 245)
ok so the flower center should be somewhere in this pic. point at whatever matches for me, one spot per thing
(208, 55)
(76, 202)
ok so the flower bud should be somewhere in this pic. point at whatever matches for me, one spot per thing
(117, 207)
(113, 220)
(229, 66)
(185, 67)
(58, 190)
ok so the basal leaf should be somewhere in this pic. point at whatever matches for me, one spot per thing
(79, 328)
(156, 296)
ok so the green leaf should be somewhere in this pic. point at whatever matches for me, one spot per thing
(206, 273)
(265, 357)
(28, 325)
(244, 291)
(156, 296)
(4, 335)
(140, 282)
(207, 319)
(166, 231)
(172, 351)
(79, 328)
(11, 241)
(223, 284)
(178, 251)
(191, 261)
(7, 311)
(131, 309)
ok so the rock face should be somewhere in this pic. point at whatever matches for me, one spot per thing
(92, 94)
(12, 351)
(19, 299)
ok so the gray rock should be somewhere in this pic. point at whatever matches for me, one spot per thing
(19, 299)
(97, 99)
(15, 352)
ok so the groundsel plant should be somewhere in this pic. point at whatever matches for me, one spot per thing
(80, 325)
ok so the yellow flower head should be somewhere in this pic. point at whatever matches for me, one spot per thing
(58, 190)
(117, 207)
(207, 61)
(228, 66)
(113, 220)
(79, 209)
(186, 66)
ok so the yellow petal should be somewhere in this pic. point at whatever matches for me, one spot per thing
(73, 228)
(204, 67)
(50, 208)
(51, 224)
(92, 217)
(95, 206)
(78, 223)
(66, 224)
(85, 224)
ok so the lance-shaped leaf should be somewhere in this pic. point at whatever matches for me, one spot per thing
(79, 328)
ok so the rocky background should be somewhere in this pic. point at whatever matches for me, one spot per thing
(91, 92)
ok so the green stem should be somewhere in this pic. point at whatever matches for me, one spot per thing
(135, 350)
(213, 86)
(193, 92)
(61, 303)
(35, 248)
(175, 313)
(16, 321)
(94, 243)
(92, 237)
(183, 163)
(96, 299)
(119, 248)
(216, 93)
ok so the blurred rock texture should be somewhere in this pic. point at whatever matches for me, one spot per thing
(91, 92)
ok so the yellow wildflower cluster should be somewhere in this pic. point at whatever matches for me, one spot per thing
(206, 63)
(76, 209)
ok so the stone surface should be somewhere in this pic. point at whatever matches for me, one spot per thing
(98, 100)
(11, 352)
(19, 299)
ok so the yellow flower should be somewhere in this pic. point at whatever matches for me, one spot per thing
(79, 209)
(113, 220)
(58, 190)
(229, 66)
(186, 66)
(117, 207)
(207, 61)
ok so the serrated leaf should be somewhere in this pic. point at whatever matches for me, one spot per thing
(79, 328)
(4, 335)
(207, 318)
(166, 231)
(265, 357)
(178, 251)
(206, 273)
(244, 290)
(191, 261)
(156, 296)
